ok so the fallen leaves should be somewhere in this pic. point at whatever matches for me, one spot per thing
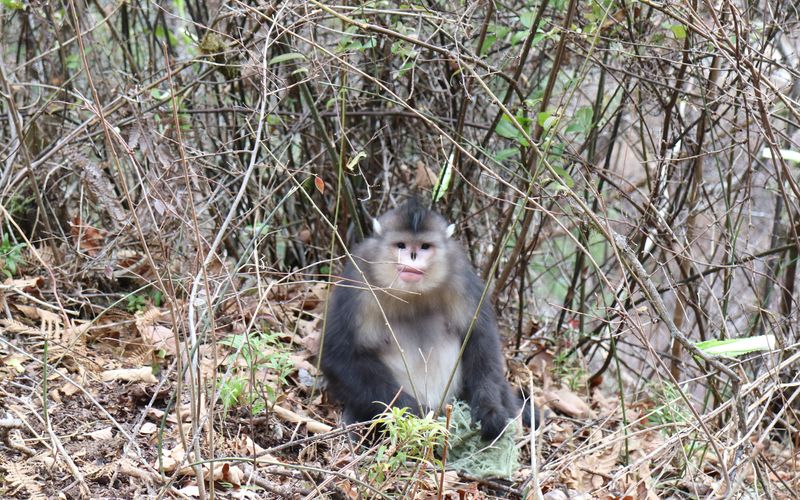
(567, 402)
(155, 336)
(102, 434)
(114, 358)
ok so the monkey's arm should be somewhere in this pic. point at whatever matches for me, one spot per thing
(485, 387)
(356, 376)
(362, 383)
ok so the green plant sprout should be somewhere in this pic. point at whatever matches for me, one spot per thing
(259, 351)
(11, 257)
(408, 440)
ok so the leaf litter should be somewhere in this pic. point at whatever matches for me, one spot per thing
(126, 365)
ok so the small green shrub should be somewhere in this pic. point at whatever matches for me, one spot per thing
(408, 440)
(11, 257)
(259, 351)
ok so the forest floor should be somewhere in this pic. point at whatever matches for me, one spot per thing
(110, 426)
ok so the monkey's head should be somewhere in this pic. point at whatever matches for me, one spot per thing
(414, 249)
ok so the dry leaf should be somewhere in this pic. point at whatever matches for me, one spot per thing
(102, 434)
(170, 458)
(155, 413)
(32, 312)
(159, 338)
(225, 472)
(541, 364)
(69, 389)
(425, 177)
(300, 362)
(148, 428)
(24, 284)
(348, 489)
(13, 326)
(567, 402)
(15, 362)
(148, 318)
(74, 332)
(190, 491)
(243, 445)
(310, 335)
(89, 239)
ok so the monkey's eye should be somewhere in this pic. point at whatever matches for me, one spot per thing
(425, 246)
(401, 245)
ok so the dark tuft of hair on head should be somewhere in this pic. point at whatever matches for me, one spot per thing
(415, 214)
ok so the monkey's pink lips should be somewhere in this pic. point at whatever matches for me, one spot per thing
(409, 274)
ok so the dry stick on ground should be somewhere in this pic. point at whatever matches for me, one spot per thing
(6, 425)
(448, 412)
(535, 435)
(276, 489)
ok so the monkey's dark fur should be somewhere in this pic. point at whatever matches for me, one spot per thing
(429, 319)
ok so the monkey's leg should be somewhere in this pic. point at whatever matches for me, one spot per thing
(364, 385)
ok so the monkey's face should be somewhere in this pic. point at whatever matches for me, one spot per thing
(411, 249)
(414, 262)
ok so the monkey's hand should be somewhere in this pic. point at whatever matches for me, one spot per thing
(492, 416)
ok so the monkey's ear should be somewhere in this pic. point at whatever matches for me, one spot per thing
(450, 230)
(376, 227)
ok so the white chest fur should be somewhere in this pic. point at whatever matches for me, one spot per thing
(424, 360)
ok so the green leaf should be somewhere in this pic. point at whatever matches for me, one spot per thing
(443, 182)
(291, 56)
(546, 119)
(582, 121)
(500, 31)
(738, 347)
(409, 65)
(231, 391)
(73, 61)
(518, 36)
(160, 32)
(13, 4)
(541, 36)
(506, 128)
(160, 95)
(679, 31)
(786, 154)
(526, 18)
(351, 165)
(280, 248)
(487, 44)
(505, 154)
(564, 176)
